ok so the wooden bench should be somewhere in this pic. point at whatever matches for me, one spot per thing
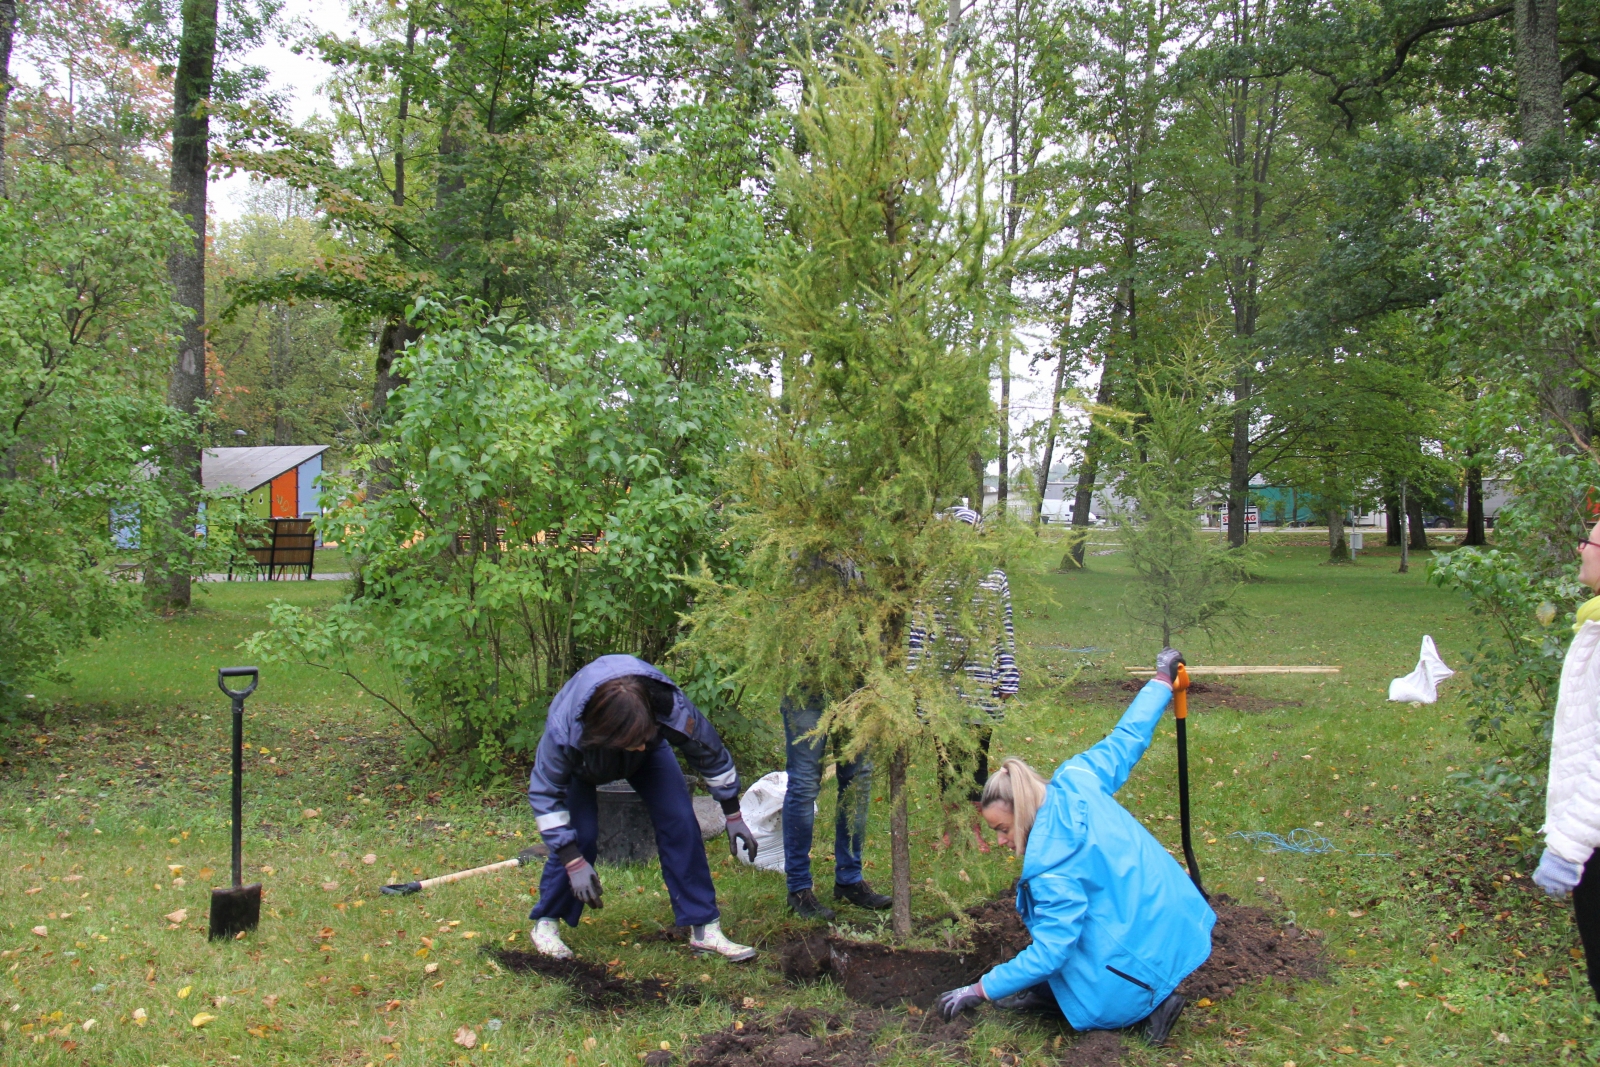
(287, 548)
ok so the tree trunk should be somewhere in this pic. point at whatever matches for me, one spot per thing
(1001, 483)
(1055, 406)
(8, 29)
(1239, 457)
(975, 464)
(1394, 527)
(1475, 529)
(900, 843)
(1419, 532)
(1338, 547)
(1539, 109)
(396, 335)
(1405, 545)
(191, 156)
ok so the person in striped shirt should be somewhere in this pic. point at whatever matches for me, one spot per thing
(984, 683)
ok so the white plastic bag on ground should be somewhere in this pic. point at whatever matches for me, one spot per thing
(1421, 686)
(762, 808)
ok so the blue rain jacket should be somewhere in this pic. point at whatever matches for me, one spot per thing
(560, 754)
(1116, 922)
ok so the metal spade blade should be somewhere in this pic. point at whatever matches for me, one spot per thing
(235, 910)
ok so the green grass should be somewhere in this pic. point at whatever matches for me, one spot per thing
(336, 968)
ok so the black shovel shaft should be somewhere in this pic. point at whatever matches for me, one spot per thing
(238, 695)
(238, 790)
(1183, 804)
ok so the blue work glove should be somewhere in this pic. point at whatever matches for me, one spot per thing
(1167, 663)
(1557, 876)
(957, 1001)
(585, 883)
(739, 834)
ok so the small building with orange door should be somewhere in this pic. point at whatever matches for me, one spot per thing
(278, 481)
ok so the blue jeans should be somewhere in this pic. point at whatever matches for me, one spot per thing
(684, 868)
(805, 757)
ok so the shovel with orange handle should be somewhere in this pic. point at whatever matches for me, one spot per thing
(1180, 712)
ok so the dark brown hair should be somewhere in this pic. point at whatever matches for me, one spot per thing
(619, 714)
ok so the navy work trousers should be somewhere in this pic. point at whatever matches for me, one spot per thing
(660, 784)
(804, 764)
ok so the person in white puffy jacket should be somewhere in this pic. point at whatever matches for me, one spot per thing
(1572, 799)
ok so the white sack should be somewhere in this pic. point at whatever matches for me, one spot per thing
(1421, 686)
(762, 808)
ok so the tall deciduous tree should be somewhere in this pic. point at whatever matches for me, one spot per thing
(186, 385)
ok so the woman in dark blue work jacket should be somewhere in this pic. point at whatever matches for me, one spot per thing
(1116, 923)
(619, 718)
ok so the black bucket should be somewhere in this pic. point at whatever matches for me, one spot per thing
(626, 833)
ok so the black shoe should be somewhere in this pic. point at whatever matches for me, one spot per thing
(1032, 1001)
(861, 895)
(1160, 1022)
(805, 904)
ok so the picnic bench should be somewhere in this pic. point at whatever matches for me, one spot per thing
(283, 548)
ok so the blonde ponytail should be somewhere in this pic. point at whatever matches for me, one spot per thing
(1020, 788)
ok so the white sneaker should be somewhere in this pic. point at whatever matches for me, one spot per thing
(709, 938)
(547, 939)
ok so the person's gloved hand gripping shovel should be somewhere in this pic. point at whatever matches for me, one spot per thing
(1088, 864)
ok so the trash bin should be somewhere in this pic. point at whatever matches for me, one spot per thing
(626, 834)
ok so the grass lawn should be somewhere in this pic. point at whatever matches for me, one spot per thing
(115, 820)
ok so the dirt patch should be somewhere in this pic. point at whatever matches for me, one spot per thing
(1247, 944)
(879, 975)
(1203, 696)
(593, 983)
(1097, 1048)
(808, 1038)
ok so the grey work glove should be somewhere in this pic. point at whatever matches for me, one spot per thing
(1557, 876)
(739, 834)
(585, 883)
(1167, 663)
(957, 1001)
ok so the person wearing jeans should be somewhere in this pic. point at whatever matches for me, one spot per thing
(805, 756)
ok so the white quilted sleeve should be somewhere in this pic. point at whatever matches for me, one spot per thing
(1572, 799)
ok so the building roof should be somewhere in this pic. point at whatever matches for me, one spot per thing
(248, 469)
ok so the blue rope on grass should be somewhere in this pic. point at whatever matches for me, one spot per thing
(1300, 841)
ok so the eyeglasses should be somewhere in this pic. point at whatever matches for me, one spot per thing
(1585, 541)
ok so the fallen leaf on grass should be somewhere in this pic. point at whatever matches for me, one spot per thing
(40, 931)
(330, 886)
(140, 1017)
(466, 1038)
(185, 991)
(1451, 1008)
(390, 1005)
(1203, 1002)
(175, 868)
(1344, 1050)
(311, 813)
(432, 968)
(1358, 913)
(202, 1019)
(88, 1024)
(256, 1031)
(270, 1000)
(218, 1001)
(181, 915)
(35, 889)
(589, 1044)
(1401, 983)
(369, 859)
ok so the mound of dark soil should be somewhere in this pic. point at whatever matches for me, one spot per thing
(1247, 944)
(593, 983)
(1203, 696)
(803, 1038)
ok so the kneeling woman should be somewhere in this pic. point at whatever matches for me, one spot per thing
(1116, 923)
(619, 717)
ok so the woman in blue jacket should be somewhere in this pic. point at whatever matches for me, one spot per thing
(1116, 923)
(620, 718)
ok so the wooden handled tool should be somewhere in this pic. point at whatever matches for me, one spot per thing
(523, 858)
